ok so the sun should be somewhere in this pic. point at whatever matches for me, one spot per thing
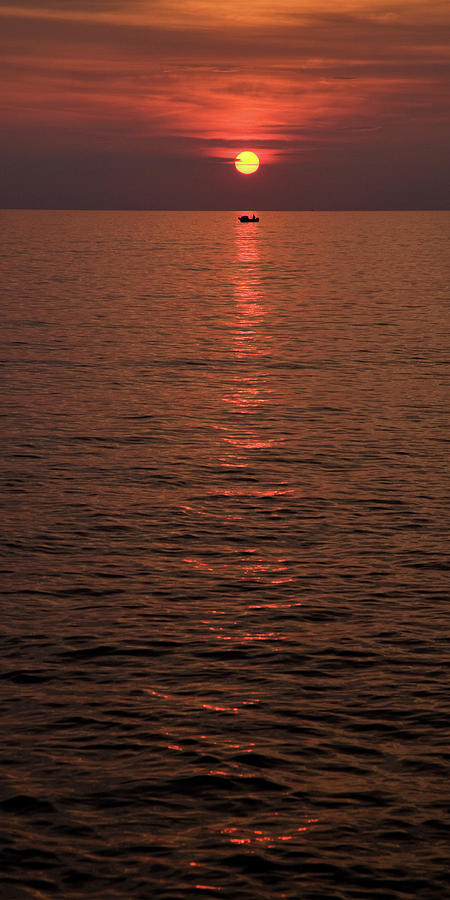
(247, 162)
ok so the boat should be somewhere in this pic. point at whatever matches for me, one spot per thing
(248, 219)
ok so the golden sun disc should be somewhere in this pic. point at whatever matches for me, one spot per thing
(247, 162)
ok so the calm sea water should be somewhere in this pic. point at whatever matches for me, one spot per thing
(224, 516)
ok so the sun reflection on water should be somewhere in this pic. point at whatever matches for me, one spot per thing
(249, 495)
(246, 430)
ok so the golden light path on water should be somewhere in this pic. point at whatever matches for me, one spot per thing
(248, 399)
(244, 428)
(245, 432)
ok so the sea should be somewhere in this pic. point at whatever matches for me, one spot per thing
(224, 533)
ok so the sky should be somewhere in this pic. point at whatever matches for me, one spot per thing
(144, 104)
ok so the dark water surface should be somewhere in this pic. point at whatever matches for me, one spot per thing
(225, 634)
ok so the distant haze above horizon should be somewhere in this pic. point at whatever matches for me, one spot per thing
(145, 105)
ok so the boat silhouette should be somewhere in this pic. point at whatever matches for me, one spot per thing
(248, 219)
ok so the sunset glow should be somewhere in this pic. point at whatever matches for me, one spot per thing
(144, 102)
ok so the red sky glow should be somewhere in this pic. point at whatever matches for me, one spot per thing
(146, 103)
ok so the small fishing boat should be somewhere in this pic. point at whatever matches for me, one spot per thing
(248, 219)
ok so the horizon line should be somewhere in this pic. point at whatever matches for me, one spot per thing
(221, 209)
